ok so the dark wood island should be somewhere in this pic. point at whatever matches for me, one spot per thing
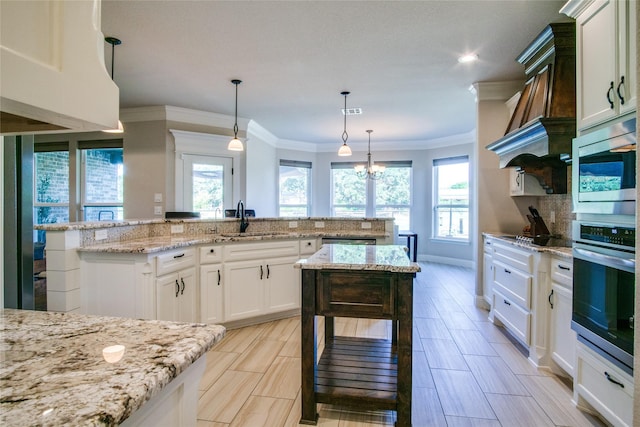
(363, 281)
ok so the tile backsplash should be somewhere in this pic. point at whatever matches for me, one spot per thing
(561, 205)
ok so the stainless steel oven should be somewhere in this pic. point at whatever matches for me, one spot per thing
(604, 289)
(604, 170)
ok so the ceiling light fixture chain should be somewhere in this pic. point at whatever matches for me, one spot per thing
(371, 170)
(344, 148)
(235, 144)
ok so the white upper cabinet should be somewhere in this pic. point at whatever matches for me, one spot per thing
(606, 59)
(52, 69)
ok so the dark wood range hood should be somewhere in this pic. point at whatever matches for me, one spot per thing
(538, 138)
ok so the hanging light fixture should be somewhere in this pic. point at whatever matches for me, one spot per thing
(235, 144)
(113, 42)
(371, 170)
(344, 148)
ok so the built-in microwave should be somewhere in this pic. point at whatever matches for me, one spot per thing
(604, 170)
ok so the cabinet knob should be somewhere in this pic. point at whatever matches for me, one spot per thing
(213, 251)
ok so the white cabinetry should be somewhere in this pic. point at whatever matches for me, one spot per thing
(606, 59)
(257, 285)
(519, 296)
(211, 284)
(523, 184)
(487, 275)
(563, 338)
(604, 387)
(176, 286)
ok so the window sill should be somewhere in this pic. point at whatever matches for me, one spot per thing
(450, 241)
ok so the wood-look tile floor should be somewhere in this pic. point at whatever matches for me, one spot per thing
(466, 372)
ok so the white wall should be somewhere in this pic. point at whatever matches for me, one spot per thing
(262, 168)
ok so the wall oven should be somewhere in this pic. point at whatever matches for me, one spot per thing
(604, 170)
(604, 289)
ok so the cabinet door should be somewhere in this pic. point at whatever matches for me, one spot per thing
(211, 286)
(627, 57)
(167, 294)
(244, 293)
(596, 63)
(563, 338)
(187, 310)
(283, 291)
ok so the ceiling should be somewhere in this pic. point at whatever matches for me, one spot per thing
(397, 58)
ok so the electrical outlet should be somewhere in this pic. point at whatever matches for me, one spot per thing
(365, 225)
(177, 228)
(157, 210)
(293, 224)
(100, 235)
(319, 224)
(552, 216)
(157, 197)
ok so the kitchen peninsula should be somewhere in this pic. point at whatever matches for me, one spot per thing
(367, 282)
(54, 372)
(191, 270)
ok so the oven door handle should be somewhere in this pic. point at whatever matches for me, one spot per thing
(608, 260)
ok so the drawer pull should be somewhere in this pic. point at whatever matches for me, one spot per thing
(507, 271)
(611, 380)
(182, 290)
(177, 288)
(506, 302)
(550, 295)
(213, 251)
(563, 267)
(218, 277)
(178, 256)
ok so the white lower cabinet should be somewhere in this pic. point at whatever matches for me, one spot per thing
(211, 293)
(487, 274)
(176, 296)
(283, 285)
(603, 386)
(563, 338)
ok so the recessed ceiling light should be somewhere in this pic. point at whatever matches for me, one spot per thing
(468, 58)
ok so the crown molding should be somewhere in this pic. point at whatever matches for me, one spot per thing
(574, 8)
(495, 91)
(179, 114)
(254, 130)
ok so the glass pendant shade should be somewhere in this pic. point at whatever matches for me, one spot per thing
(344, 150)
(235, 145)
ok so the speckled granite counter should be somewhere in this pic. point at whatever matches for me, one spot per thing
(53, 373)
(360, 257)
(561, 251)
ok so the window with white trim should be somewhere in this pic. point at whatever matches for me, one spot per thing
(294, 188)
(451, 198)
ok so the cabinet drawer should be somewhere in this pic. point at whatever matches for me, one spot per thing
(308, 246)
(244, 251)
(562, 271)
(210, 254)
(356, 294)
(517, 258)
(614, 402)
(488, 245)
(169, 262)
(515, 319)
(513, 283)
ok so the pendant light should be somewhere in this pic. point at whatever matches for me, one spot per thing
(235, 144)
(114, 42)
(371, 170)
(344, 149)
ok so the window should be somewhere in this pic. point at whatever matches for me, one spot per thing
(51, 182)
(207, 184)
(451, 198)
(295, 188)
(102, 184)
(388, 196)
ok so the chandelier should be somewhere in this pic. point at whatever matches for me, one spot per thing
(371, 170)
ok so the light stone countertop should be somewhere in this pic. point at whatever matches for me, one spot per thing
(391, 258)
(561, 251)
(52, 371)
(162, 243)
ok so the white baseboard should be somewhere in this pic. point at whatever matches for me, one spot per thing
(445, 260)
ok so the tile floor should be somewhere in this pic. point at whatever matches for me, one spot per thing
(466, 372)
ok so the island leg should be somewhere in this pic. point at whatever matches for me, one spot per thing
(308, 348)
(404, 346)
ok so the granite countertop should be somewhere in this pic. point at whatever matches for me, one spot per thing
(562, 251)
(52, 371)
(360, 257)
(162, 243)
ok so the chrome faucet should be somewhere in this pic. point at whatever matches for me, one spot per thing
(244, 223)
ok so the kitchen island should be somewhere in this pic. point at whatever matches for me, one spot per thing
(364, 281)
(54, 373)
